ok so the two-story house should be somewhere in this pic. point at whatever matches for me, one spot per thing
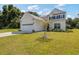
(57, 19)
(30, 23)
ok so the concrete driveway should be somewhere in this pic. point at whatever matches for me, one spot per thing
(6, 34)
(9, 33)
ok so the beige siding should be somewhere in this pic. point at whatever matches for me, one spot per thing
(62, 24)
(38, 25)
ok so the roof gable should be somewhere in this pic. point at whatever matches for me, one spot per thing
(32, 16)
(57, 11)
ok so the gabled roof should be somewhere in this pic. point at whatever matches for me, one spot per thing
(57, 10)
(45, 17)
(35, 17)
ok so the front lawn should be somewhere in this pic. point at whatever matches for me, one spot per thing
(7, 30)
(58, 43)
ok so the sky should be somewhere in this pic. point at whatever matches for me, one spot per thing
(44, 9)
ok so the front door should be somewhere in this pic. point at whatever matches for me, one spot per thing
(57, 26)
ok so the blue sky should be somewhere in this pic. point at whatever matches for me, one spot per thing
(43, 9)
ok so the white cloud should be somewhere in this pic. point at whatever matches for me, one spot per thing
(46, 9)
(44, 12)
(68, 16)
(40, 12)
(33, 8)
(23, 11)
(36, 8)
(60, 6)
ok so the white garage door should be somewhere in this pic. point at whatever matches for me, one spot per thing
(27, 28)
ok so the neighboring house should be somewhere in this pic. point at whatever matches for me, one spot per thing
(56, 20)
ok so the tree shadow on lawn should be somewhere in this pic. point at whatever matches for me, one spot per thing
(42, 39)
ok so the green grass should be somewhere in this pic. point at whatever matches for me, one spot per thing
(59, 43)
(7, 30)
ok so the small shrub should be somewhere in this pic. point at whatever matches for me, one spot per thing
(69, 26)
(19, 30)
(33, 30)
(77, 25)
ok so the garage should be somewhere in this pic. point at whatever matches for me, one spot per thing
(28, 28)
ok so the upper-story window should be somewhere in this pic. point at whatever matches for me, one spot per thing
(63, 16)
(57, 17)
(53, 17)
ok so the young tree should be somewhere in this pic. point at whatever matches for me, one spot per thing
(45, 27)
(77, 25)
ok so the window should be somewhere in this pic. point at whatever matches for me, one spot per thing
(63, 16)
(53, 17)
(49, 18)
(57, 26)
(57, 17)
(60, 16)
